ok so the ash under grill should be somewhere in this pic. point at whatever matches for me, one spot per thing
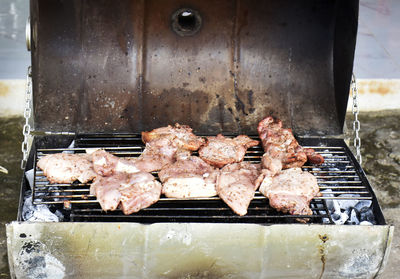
(339, 178)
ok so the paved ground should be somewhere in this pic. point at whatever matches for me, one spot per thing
(380, 148)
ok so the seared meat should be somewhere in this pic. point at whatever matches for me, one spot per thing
(106, 164)
(133, 190)
(290, 191)
(66, 168)
(282, 151)
(237, 184)
(220, 151)
(313, 157)
(188, 177)
(181, 135)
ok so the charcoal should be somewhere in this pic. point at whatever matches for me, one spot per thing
(366, 214)
(340, 218)
(362, 204)
(354, 219)
(37, 213)
(346, 204)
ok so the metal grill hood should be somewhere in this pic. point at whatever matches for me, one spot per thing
(119, 66)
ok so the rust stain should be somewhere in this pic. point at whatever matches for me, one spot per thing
(379, 87)
(4, 89)
(321, 249)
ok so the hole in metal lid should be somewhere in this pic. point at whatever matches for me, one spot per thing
(186, 22)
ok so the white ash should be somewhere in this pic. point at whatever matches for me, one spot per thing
(38, 213)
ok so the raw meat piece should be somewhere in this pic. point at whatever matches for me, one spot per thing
(133, 191)
(181, 135)
(282, 151)
(290, 191)
(188, 177)
(66, 168)
(237, 184)
(220, 151)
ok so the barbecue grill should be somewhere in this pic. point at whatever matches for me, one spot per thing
(104, 71)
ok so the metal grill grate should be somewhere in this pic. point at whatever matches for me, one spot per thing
(338, 175)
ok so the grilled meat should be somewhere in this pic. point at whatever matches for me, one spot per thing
(282, 151)
(157, 153)
(164, 145)
(142, 192)
(237, 184)
(290, 191)
(66, 168)
(220, 151)
(133, 191)
(188, 177)
(313, 157)
(181, 135)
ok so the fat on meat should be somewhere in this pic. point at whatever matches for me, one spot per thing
(220, 151)
(282, 151)
(189, 177)
(290, 191)
(130, 191)
(236, 185)
(67, 168)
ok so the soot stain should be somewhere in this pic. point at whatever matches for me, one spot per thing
(239, 105)
(250, 94)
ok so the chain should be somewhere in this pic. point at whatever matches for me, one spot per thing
(27, 114)
(356, 122)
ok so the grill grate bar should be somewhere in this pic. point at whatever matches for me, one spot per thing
(338, 182)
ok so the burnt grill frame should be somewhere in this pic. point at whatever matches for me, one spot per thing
(88, 210)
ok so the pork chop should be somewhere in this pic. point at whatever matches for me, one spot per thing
(188, 177)
(67, 168)
(220, 151)
(237, 184)
(291, 191)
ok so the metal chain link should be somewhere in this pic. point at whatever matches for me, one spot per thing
(356, 122)
(27, 114)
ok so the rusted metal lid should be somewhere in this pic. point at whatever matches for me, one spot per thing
(129, 66)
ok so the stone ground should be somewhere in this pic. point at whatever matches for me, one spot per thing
(380, 137)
